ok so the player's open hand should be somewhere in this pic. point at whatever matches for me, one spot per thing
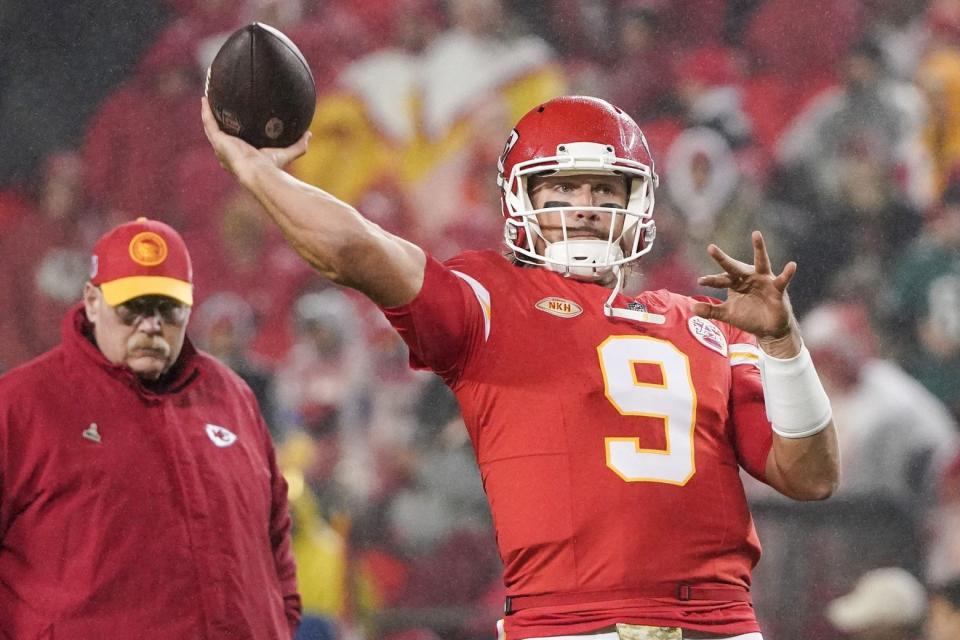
(233, 153)
(757, 300)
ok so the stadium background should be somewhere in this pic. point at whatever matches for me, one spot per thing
(832, 125)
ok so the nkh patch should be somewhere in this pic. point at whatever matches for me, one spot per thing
(560, 307)
(220, 436)
(708, 334)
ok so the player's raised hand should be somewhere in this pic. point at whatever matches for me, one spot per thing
(233, 153)
(757, 300)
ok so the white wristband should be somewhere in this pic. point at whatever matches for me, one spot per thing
(797, 405)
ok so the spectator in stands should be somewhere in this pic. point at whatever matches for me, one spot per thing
(46, 253)
(897, 437)
(897, 26)
(325, 371)
(869, 221)
(443, 495)
(318, 543)
(636, 80)
(138, 132)
(396, 390)
(693, 23)
(715, 199)
(942, 22)
(942, 562)
(780, 34)
(225, 327)
(886, 604)
(578, 31)
(869, 113)
(923, 308)
(244, 256)
(708, 85)
(939, 77)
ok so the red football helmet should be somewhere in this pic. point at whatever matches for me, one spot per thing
(578, 135)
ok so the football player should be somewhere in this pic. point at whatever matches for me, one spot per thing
(609, 430)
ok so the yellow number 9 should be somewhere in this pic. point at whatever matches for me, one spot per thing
(671, 399)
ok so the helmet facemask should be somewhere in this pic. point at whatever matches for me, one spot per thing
(630, 230)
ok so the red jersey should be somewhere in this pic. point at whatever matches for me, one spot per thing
(609, 448)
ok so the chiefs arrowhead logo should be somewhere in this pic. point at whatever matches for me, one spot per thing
(220, 436)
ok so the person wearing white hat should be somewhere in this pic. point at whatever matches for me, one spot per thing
(885, 604)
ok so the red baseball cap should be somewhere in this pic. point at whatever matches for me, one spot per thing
(142, 258)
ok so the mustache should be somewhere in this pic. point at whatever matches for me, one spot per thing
(158, 346)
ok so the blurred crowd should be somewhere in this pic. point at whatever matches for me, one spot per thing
(831, 125)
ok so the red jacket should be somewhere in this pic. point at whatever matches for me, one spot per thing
(129, 513)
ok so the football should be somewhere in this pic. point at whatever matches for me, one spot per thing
(260, 87)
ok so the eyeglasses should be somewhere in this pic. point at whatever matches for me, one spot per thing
(132, 312)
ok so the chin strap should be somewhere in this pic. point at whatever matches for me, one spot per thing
(628, 314)
(585, 259)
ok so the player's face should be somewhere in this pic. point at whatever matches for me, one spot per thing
(146, 333)
(587, 190)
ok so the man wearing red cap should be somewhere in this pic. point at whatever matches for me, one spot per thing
(139, 492)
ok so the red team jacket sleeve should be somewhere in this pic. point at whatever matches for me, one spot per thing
(443, 323)
(748, 414)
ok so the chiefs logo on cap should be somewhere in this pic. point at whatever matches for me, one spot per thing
(148, 249)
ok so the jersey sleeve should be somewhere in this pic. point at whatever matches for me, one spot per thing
(752, 431)
(447, 321)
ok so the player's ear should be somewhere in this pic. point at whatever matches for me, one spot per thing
(91, 298)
